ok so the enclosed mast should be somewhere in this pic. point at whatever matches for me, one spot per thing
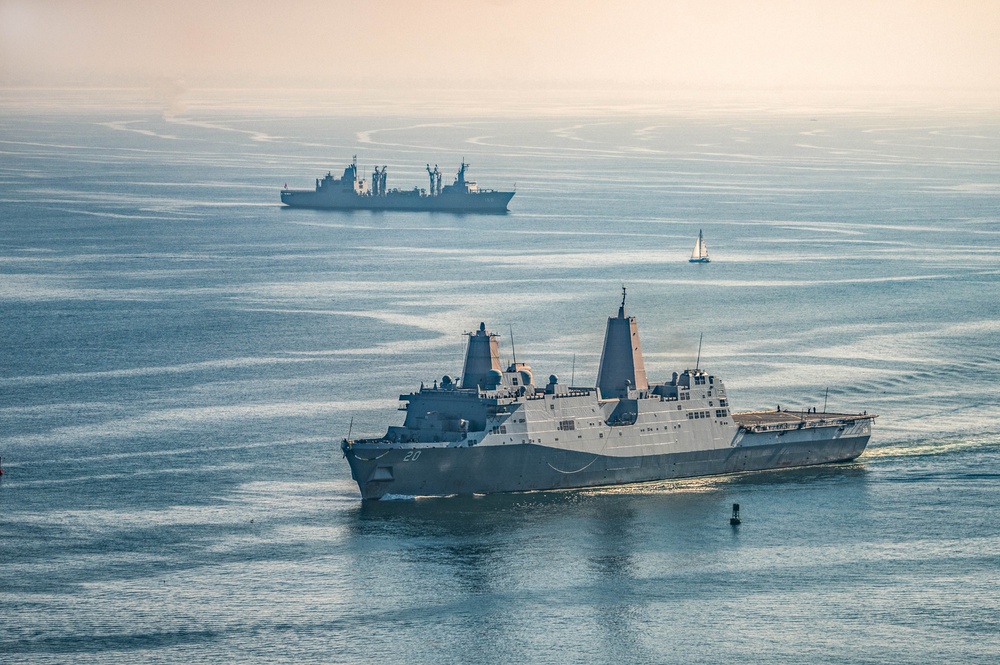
(621, 368)
(481, 357)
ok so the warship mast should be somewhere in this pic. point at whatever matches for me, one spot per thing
(481, 356)
(622, 368)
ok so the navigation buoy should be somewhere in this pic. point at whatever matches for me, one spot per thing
(735, 519)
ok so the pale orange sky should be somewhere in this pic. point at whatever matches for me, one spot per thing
(690, 44)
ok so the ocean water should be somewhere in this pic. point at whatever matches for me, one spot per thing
(180, 358)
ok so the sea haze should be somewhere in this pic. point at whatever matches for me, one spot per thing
(181, 357)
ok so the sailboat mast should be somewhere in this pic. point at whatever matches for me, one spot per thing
(700, 252)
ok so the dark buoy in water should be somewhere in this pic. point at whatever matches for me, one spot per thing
(735, 519)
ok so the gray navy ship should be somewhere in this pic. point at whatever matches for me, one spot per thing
(498, 431)
(349, 192)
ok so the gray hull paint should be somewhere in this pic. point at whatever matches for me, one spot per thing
(499, 432)
(491, 202)
(528, 467)
(350, 192)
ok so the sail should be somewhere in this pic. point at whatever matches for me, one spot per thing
(700, 251)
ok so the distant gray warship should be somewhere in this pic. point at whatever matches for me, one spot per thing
(496, 431)
(350, 192)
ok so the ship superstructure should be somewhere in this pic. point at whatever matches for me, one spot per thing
(352, 192)
(498, 430)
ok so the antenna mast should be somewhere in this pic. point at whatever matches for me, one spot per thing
(697, 362)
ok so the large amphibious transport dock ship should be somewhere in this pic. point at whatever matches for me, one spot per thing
(498, 431)
(349, 192)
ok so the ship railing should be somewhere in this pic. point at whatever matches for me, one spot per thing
(783, 427)
(439, 440)
(806, 424)
(575, 392)
(380, 439)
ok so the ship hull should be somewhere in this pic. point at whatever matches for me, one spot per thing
(482, 203)
(441, 471)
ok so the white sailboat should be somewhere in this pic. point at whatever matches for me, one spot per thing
(700, 252)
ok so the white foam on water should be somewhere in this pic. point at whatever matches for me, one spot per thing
(254, 135)
(111, 215)
(940, 446)
(990, 188)
(89, 455)
(126, 126)
(133, 372)
(271, 500)
(698, 485)
(105, 477)
(178, 419)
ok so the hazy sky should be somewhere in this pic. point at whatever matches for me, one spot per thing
(703, 44)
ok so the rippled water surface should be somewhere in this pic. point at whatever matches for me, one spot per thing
(180, 358)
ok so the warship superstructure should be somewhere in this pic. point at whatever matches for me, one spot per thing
(496, 430)
(351, 192)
